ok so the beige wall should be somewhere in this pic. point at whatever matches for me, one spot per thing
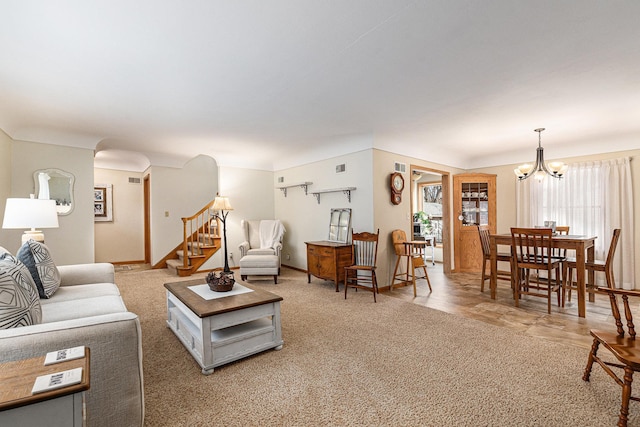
(121, 240)
(5, 175)
(506, 193)
(178, 193)
(388, 216)
(73, 241)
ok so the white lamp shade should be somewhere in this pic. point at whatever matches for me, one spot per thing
(30, 213)
(221, 204)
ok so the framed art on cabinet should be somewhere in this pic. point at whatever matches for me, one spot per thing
(102, 202)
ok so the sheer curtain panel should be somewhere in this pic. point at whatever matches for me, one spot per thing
(593, 198)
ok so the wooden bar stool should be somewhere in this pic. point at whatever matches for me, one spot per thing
(414, 260)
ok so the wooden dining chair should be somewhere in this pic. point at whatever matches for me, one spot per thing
(532, 250)
(622, 345)
(362, 271)
(562, 230)
(484, 232)
(414, 260)
(596, 265)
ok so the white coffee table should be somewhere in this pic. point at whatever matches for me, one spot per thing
(219, 327)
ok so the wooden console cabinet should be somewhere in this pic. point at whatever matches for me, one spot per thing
(327, 260)
(474, 203)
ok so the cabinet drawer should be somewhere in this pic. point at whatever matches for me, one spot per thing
(320, 251)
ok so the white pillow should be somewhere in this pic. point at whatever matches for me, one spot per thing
(19, 302)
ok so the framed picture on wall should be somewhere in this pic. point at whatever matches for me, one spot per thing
(102, 202)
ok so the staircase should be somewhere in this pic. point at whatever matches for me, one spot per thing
(200, 241)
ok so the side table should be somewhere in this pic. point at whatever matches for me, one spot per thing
(55, 408)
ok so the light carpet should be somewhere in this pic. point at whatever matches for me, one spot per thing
(355, 363)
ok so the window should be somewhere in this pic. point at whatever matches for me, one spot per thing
(430, 202)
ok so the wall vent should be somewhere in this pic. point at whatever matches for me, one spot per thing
(341, 168)
(400, 167)
(281, 179)
(133, 180)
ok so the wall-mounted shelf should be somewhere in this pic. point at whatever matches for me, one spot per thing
(345, 190)
(303, 185)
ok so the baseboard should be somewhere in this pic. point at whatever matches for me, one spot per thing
(126, 262)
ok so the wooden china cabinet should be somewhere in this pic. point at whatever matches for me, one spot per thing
(474, 203)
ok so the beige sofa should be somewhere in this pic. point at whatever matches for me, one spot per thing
(87, 310)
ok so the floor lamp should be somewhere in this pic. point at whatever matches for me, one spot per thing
(224, 282)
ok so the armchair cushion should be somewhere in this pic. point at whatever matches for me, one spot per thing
(265, 251)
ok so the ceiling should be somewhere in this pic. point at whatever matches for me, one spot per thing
(270, 84)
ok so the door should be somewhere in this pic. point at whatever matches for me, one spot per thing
(474, 203)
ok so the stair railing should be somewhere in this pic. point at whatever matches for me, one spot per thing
(199, 230)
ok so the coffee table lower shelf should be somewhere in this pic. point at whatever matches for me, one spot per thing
(225, 337)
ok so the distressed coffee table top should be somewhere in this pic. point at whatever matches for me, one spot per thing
(205, 308)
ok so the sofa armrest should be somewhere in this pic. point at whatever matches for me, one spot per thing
(83, 274)
(244, 248)
(116, 396)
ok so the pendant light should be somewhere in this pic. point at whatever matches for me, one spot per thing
(554, 169)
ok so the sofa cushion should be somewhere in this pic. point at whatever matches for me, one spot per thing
(55, 311)
(19, 302)
(78, 292)
(37, 258)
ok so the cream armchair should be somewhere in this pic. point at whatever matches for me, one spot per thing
(260, 252)
(262, 237)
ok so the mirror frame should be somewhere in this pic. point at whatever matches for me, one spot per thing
(340, 225)
(62, 209)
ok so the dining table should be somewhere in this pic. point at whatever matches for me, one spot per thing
(584, 247)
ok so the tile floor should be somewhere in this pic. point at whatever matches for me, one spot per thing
(459, 293)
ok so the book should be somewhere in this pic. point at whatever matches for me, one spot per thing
(57, 380)
(64, 355)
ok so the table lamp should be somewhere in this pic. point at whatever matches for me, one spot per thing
(30, 213)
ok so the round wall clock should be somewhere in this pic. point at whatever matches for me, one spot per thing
(397, 185)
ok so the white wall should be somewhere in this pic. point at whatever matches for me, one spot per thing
(250, 193)
(178, 193)
(305, 219)
(121, 240)
(73, 241)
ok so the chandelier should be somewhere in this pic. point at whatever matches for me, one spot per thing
(540, 168)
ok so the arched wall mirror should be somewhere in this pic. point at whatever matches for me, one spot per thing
(55, 184)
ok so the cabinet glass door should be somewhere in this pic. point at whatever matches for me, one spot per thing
(475, 203)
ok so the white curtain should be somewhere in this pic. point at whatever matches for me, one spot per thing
(593, 199)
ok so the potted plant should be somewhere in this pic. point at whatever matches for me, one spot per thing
(422, 218)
